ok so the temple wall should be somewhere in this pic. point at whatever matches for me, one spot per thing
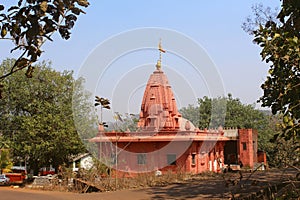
(247, 147)
(191, 157)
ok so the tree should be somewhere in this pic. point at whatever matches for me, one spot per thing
(84, 115)
(191, 113)
(4, 159)
(237, 114)
(30, 23)
(280, 41)
(38, 118)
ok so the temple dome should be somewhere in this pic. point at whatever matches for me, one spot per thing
(186, 125)
(159, 110)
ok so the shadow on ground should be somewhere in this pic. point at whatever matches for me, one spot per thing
(220, 187)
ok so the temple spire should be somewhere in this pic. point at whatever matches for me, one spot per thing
(161, 50)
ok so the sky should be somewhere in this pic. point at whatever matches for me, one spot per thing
(215, 26)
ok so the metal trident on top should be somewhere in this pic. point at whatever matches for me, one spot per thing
(161, 50)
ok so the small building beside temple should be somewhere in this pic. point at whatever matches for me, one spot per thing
(165, 141)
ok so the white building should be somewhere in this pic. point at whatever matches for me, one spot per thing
(84, 161)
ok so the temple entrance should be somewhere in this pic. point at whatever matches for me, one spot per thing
(231, 153)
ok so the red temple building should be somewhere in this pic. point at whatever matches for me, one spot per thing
(166, 141)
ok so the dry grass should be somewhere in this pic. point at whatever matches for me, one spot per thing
(274, 184)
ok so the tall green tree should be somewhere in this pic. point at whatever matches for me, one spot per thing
(37, 117)
(237, 115)
(191, 113)
(279, 39)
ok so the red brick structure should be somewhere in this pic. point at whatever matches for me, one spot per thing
(159, 109)
(262, 157)
(248, 147)
(166, 141)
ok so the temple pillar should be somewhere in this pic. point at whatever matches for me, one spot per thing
(211, 161)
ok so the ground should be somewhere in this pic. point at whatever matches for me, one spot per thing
(199, 187)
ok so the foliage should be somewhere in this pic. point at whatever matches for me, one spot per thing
(30, 23)
(262, 15)
(284, 153)
(280, 43)
(266, 135)
(103, 103)
(38, 118)
(5, 160)
(191, 113)
(84, 116)
(280, 153)
(238, 115)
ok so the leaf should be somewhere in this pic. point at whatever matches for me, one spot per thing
(44, 6)
(1, 7)
(49, 26)
(97, 97)
(291, 123)
(71, 17)
(13, 8)
(22, 63)
(77, 11)
(84, 3)
(285, 119)
(295, 39)
(106, 106)
(64, 32)
(3, 31)
(20, 2)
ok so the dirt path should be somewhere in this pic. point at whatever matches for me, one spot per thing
(7, 193)
(197, 188)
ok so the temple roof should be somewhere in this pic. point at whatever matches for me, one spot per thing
(159, 110)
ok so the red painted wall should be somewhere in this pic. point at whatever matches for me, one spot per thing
(191, 156)
(206, 156)
(247, 147)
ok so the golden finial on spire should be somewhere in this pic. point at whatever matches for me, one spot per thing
(161, 50)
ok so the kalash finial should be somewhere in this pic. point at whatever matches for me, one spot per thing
(161, 50)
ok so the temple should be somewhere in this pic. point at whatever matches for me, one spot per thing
(165, 141)
(159, 109)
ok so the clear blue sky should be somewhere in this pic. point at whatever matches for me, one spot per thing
(215, 25)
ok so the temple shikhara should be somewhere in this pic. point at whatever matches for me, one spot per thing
(165, 141)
